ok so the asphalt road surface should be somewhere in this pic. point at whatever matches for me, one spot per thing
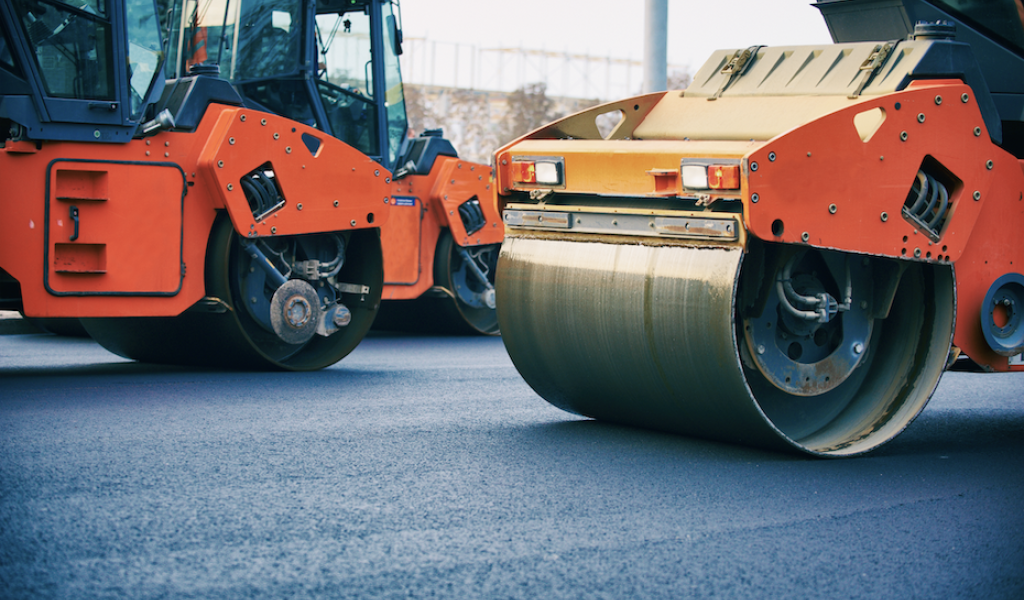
(425, 467)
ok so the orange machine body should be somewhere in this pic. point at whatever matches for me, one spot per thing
(790, 252)
(837, 180)
(118, 230)
(824, 186)
(423, 207)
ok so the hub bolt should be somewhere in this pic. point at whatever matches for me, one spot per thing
(297, 310)
(342, 316)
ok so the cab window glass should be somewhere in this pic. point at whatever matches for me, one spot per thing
(247, 39)
(6, 59)
(144, 51)
(394, 101)
(72, 48)
(268, 39)
(345, 79)
(286, 97)
(96, 7)
(346, 55)
(351, 116)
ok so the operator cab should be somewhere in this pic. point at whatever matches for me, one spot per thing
(59, 75)
(331, 64)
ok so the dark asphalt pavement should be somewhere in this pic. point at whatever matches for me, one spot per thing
(426, 468)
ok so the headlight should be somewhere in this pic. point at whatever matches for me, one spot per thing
(709, 174)
(539, 170)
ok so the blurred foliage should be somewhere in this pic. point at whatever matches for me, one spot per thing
(478, 123)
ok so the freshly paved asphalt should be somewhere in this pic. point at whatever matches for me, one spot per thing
(426, 468)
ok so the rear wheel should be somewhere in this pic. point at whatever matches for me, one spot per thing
(256, 319)
(63, 326)
(462, 304)
(472, 304)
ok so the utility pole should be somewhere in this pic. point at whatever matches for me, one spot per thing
(655, 46)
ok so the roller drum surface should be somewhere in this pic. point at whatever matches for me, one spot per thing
(647, 335)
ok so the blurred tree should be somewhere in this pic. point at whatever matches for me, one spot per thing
(527, 109)
(472, 125)
(679, 80)
(478, 123)
(419, 109)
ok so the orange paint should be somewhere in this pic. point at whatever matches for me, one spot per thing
(145, 209)
(826, 164)
(426, 205)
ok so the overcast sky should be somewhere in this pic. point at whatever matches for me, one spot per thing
(615, 29)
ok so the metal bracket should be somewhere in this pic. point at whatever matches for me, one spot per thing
(352, 288)
(538, 218)
(210, 304)
(736, 67)
(475, 269)
(706, 200)
(276, 277)
(872, 65)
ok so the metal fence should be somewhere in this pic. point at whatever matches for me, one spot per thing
(566, 74)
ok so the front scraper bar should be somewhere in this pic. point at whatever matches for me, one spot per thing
(692, 226)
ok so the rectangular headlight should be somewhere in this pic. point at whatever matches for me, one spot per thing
(710, 173)
(695, 177)
(539, 170)
(549, 173)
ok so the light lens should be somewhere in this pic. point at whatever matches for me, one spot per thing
(524, 172)
(724, 177)
(538, 171)
(695, 177)
(547, 173)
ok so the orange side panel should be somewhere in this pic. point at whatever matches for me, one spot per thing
(456, 182)
(145, 209)
(825, 185)
(402, 241)
(327, 184)
(410, 239)
(103, 236)
(995, 247)
(142, 228)
(408, 253)
(433, 199)
(836, 184)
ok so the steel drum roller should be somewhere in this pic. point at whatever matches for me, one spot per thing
(647, 335)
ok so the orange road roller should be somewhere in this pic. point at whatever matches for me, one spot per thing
(176, 224)
(440, 243)
(790, 252)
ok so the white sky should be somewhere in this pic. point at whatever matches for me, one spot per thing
(615, 29)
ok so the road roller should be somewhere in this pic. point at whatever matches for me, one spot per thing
(333, 65)
(788, 253)
(175, 223)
